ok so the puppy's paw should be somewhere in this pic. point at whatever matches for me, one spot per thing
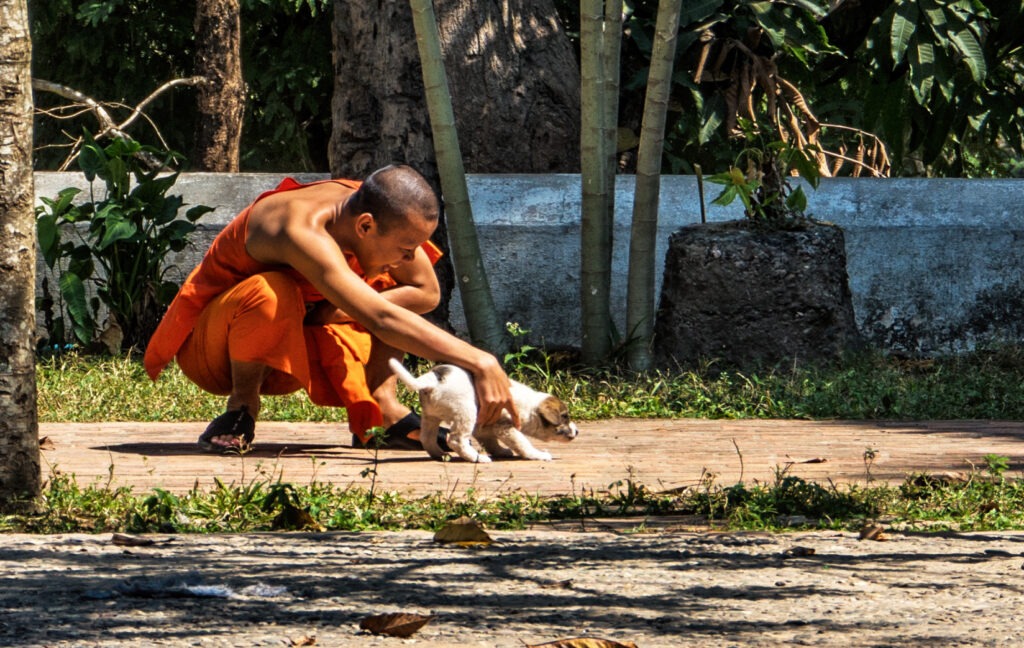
(482, 458)
(542, 456)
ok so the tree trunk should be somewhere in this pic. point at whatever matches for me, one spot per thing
(222, 96)
(19, 430)
(512, 78)
(511, 74)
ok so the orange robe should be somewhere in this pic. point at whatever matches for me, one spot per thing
(232, 307)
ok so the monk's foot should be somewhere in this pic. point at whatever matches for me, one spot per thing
(403, 434)
(232, 431)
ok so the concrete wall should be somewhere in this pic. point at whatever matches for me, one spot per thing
(935, 265)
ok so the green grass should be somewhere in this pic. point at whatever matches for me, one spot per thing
(985, 500)
(982, 385)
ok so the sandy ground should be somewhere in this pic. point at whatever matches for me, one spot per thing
(667, 588)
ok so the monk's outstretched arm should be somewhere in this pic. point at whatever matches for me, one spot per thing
(317, 257)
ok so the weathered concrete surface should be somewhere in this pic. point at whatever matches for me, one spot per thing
(659, 453)
(935, 265)
(753, 297)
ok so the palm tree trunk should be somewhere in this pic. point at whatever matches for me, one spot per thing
(471, 277)
(643, 235)
(19, 430)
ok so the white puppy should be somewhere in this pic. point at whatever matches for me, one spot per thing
(447, 397)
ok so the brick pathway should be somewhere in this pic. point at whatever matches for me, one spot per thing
(660, 454)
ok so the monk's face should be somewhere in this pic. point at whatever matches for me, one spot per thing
(385, 248)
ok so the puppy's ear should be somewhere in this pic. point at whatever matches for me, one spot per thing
(552, 410)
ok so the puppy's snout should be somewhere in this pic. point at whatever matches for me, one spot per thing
(569, 432)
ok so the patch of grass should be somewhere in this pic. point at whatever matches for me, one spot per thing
(981, 385)
(983, 500)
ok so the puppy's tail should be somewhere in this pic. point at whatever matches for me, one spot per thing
(411, 381)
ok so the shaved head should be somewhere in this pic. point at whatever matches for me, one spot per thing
(394, 193)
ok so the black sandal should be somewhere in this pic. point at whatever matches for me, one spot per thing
(396, 437)
(237, 423)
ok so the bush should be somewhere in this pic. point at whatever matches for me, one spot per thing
(109, 256)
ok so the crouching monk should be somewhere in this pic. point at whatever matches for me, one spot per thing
(314, 287)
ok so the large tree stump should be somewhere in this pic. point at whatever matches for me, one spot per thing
(750, 298)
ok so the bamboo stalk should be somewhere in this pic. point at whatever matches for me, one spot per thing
(643, 236)
(481, 316)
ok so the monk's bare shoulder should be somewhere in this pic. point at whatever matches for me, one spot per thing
(282, 219)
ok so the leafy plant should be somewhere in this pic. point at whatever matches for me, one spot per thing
(762, 184)
(109, 256)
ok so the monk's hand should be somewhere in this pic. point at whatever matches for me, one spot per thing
(493, 392)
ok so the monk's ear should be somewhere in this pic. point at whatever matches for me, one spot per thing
(365, 223)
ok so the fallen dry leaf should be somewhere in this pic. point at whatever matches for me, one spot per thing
(47, 444)
(564, 584)
(123, 540)
(873, 532)
(584, 642)
(464, 531)
(798, 552)
(395, 624)
(304, 641)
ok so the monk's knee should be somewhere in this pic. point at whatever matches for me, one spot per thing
(275, 295)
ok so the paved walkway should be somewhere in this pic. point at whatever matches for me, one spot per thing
(661, 454)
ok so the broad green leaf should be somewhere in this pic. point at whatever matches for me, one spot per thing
(811, 7)
(773, 24)
(935, 15)
(944, 77)
(904, 22)
(698, 10)
(152, 189)
(922, 70)
(712, 117)
(72, 289)
(48, 237)
(64, 200)
(118, 230)
(728, 194)
(971, 50)
(80, 261)
(797, 200)
(92, 160)
(194, 213)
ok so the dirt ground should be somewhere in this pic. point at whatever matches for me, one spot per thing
(667, 588)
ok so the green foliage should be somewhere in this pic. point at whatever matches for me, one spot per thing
(769, 200)
(943, 84)
(112, 253)
(118, 51)
(941, 81)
